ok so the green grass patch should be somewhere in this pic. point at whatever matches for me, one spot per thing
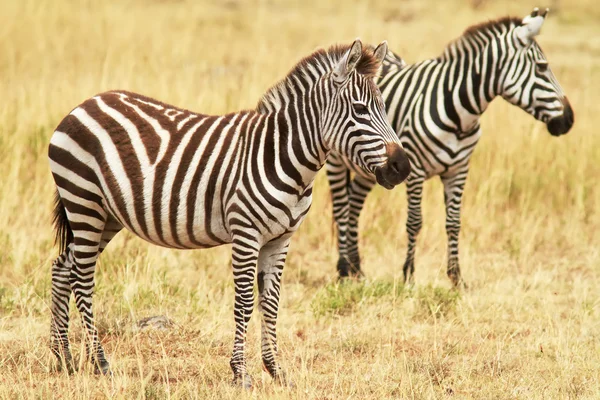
(436, 302)
(7, 303)
(343, 297)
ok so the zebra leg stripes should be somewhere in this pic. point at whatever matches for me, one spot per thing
(270, 269)
(61, 294)
(414, 223)
(453, 190)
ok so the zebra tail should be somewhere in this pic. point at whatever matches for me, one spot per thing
(64, 233)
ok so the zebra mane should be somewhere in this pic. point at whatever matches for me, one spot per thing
(486, 28)
(504, 22)
(493, 26)
(318, 63)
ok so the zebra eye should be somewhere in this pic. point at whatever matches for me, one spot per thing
(360, 108)
(542, 66)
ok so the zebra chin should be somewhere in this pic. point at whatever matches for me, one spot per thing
(562, 124)
(395, 170)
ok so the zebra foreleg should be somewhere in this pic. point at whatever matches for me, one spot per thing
(339, 180)
(244, 254)
(453, 190)
(414, 222)
(61, 295)
(270, 268)
(359, 189)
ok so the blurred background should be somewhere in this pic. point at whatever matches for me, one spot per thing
(531, 210)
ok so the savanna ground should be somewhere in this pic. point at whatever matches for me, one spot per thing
(527, 327)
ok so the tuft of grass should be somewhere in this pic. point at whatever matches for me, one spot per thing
(343, 297)
(436, 302)
(154, 392)
(7, 302)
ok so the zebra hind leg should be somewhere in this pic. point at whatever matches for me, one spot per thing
(82, 241)
(82, 282)
(59, 325)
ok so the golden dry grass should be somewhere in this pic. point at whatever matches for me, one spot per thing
(529, 325)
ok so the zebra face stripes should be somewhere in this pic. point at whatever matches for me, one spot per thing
(367, 132)
(355, 122)
(185, 180)
(435, 107)
(529, 82)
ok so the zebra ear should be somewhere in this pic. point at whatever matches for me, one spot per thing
(531, 25)
(348, 62)
(381, 51)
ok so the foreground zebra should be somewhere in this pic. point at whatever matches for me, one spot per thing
(435, 107)
(184, 180)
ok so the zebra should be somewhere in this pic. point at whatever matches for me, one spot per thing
(435, 107)
(184, 180)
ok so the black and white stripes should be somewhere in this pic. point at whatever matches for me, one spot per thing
(435, 107)
(185, 180)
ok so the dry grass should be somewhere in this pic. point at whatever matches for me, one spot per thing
(529, 325)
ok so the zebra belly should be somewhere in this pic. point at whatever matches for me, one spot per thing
(165, 212)
(270, 221)
(438, 152)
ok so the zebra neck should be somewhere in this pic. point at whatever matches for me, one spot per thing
(293, 149)
(472, 78)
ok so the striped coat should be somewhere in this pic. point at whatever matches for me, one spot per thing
(184, 180)
(435, 107)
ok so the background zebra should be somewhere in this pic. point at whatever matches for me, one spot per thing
(435, 107)
(185, 180)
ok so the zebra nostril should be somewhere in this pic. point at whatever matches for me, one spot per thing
(398, 164)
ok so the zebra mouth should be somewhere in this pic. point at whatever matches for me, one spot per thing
(379, 176)
(395, 170)
(560, 125)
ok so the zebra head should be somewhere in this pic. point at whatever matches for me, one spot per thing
(355, 122)
(529, 82)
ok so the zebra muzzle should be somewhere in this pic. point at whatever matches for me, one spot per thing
(395, 170)
(560, 125)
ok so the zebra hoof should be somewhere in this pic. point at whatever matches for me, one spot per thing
(343, 268)
(355, 270)
(409, 273)
(349, 268)
(282, 380)
(409, 282)
(462, 285)
(67, 366)
(457, 281)
(244, 382)
(102, 368)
